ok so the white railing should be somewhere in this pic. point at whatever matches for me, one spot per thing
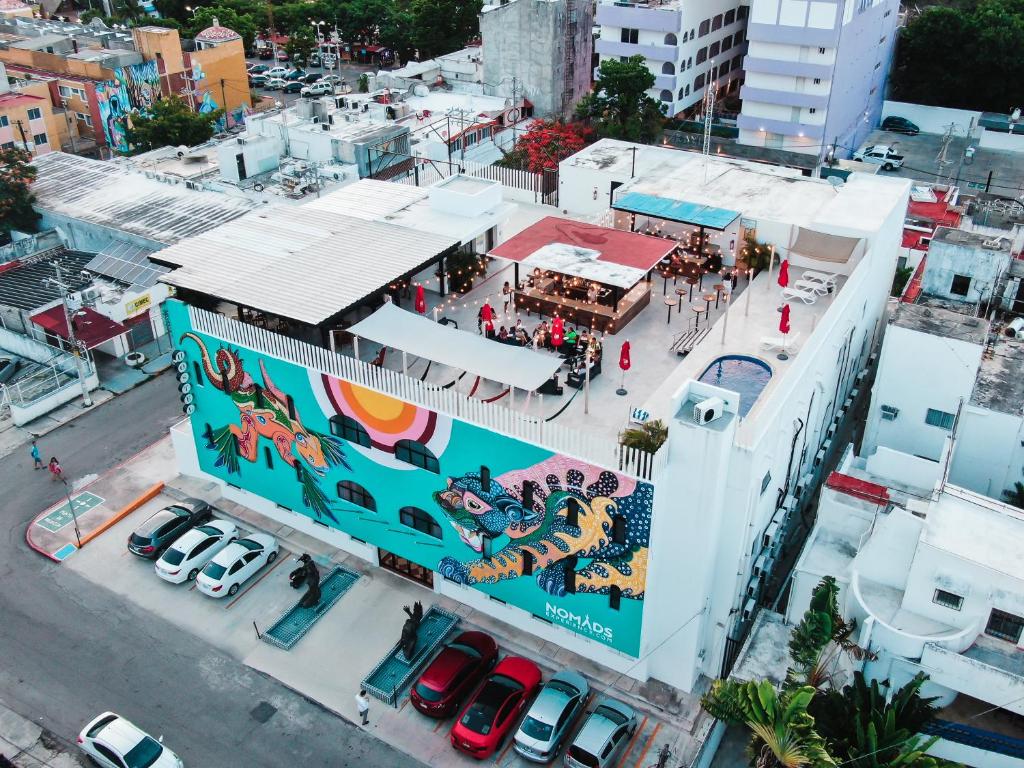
(497, 418)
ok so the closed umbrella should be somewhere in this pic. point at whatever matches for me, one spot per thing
(557, 332)
(421, 300)
(784, 330)
(784, 273)
(624, 364)
(487, 315)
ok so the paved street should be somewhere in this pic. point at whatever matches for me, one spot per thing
(349, 71)
(71, 649)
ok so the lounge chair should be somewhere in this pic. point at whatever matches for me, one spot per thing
(811, 285)
(821, 277)
(780, 343)
(807, 297)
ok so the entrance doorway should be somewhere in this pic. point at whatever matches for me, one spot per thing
(406, 568)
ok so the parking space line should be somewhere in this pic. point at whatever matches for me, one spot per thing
(504, 752)
(406, 701)
(632, 742)
(647, 745)
(438, 726)
(263, 575)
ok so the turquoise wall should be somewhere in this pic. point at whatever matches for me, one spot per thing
(236, 430)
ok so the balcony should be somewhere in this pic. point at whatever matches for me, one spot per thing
(670, 82)
(786, 128)
(608, 47)
(654, 18)
(784, 98)
(788, 68)
(989, 670)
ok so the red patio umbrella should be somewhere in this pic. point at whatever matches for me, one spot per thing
(784, 320)
(421, 300)
(624, 364)
(784, 273)
(557, 332)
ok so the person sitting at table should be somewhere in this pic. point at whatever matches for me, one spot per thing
(540, 335)
(571, 337)
(502, 334)
(520, 336)
(592, 293)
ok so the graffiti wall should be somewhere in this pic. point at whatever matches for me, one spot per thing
(132, 91)
(558, 537)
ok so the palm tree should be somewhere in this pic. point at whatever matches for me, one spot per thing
(821, 635)
(1016, 496)
(783, 730)
(647, 437)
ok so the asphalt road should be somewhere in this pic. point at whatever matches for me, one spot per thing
(349, 71)
(71, 649)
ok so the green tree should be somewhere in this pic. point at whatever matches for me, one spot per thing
(619, 107)
(16, 176)
(649, 436)
(301, 43)
(363, 83)
(443, 26)
(172, 123)
(821, 635)
(397, 29)
(1015, 496)
(244, 24)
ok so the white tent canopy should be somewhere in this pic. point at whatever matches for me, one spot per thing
(520, 367)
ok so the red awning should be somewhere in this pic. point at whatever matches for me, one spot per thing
(616, 246)
(91, 328)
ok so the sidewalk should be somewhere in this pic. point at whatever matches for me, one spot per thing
(328, 664)
(28, 745)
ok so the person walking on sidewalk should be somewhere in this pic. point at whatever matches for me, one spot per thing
(55, 469)
(363, 706)
(37, 460)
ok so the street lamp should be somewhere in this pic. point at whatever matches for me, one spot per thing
(192, 10)
(71, 506)
(77, 347)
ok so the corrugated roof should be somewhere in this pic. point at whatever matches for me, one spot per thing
(22, 286)
(369, 199)
(110, 196)
(676, 210)
(299, 262)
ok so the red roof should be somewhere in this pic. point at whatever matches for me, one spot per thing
(616, 246)
(913, 289)
(939, 212)
(861, 489)
(91, 328)
(14, 98)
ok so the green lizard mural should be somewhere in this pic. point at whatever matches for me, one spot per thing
(265, 411)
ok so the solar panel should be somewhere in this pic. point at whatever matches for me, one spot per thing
(127, 263)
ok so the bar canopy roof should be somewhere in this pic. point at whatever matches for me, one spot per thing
(824, 247)
(521, 367)
(603, 254)
(697, 214)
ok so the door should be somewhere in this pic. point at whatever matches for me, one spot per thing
(406, 568)
(240, 164)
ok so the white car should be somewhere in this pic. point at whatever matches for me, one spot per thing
(236, 564)
(113, 742)
(276, 84)
(319, 88)
(332, 79)
(183, 560)
(276, 72)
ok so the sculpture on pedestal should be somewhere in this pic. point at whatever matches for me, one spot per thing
(410, 629)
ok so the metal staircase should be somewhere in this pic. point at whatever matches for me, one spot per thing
(569, 77)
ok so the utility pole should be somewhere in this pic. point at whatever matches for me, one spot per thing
(21, 130)
(76, 348)
(71, 131)
(224, 103)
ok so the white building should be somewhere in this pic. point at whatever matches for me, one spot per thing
(816, 73)
(965, 266)
(934, 576)
(688, 46)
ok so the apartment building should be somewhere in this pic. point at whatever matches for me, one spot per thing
(27, 118)
(816, 73)
(688, 46)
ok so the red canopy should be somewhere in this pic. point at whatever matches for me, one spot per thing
(784, 273)
(624, 361)
(91, 328)
(784, 320)
(421, 300)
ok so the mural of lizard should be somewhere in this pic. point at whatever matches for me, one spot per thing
(543, 531)
(264, 412)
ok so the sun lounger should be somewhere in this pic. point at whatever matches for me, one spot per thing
(811, 285)
(821, 277)
(807, 297)
(781, 343)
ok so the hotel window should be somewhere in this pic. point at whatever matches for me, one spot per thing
(4, 122)
(628, 35)
(940, 419)
(812, 110)
(702, 55)
(715, 49)
(86, 119)
(527, 562)
(947, 599)
(726, 43)
(7, 145)
(705, 27)
(737, 38)
(961, 285)
(34, 113)
(817, 81)
(698, 82)
(737, 61)
(417, 519)
(357, 494)
(39, 138)
(723, 68)
(1004, 625)
(741, 12)
(416, 454)
(821, 50)
(716, 23)
(730, 17)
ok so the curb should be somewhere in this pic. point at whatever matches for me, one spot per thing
(130, 507)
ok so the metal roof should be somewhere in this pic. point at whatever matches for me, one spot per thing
(369, 199)
(127, 263)
(299, 262)
(676, 210)
(110, 196)
(22, 286)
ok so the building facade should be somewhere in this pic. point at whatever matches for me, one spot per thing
(688, 47)
(27, 119)
(540, 50)
(816, 73)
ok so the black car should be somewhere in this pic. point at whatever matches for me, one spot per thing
(311, 78)
(295, 86)
(900, 125)
(258, 80)
(162, 528)
(258, 69)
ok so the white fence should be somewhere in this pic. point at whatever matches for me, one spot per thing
(932, 119)
(497, 418)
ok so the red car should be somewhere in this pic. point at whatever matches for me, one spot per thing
(493, 710)
(453, 674)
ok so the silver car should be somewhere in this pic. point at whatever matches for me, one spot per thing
(553, 712)
(603, 737)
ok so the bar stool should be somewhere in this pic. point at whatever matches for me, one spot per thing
(670, 301)
(680, 292)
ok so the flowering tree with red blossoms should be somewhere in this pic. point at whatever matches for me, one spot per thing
(547, 143)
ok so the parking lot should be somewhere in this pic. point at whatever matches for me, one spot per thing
(347, 70)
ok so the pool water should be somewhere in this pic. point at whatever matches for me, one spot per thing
(745, 375)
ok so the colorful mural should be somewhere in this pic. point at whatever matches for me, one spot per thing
(133, 90)
(559, 538)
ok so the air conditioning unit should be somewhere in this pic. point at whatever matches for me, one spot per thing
(241, 141)
(889, 412)
(771, 533)
(91, 293)
(754, 587)
(316, 120)
(709, 410)
(748, 609)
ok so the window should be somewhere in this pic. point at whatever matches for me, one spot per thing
(1004, 625)
(618, 529)
(291, 407)
(39, 138)
(4, 122)
(960, 286)
(107, 754)
(682, 93)
(34, 113)
(268, 457)
(687, 90)
(628, 35)
(698, 82)
(666, 95)
(716, 23)
(670, 39)
(812, 110)
(821, 51)
(203, 546)
(199, 373)
(416, 454)
(737, 61)
(416, 518)
(889, 412)
(766, 481)
(737, 38)
(947, 599)
(7, 145)
(705, 27)
(689, 62)
(470, 139)
(358, 495)
(730, 17)
(702, 55)
(527, 563)
(723, 68)
(715, 49)
(668, 68)
(741, 12)
(939, 419)
(614, 596)
(572, 514)
(84, 118)
(726, 43)
(570, 575)
(817, 81)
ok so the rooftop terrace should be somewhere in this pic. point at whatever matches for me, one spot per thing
(938, 320)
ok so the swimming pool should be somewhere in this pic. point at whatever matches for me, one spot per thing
(746, 375)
